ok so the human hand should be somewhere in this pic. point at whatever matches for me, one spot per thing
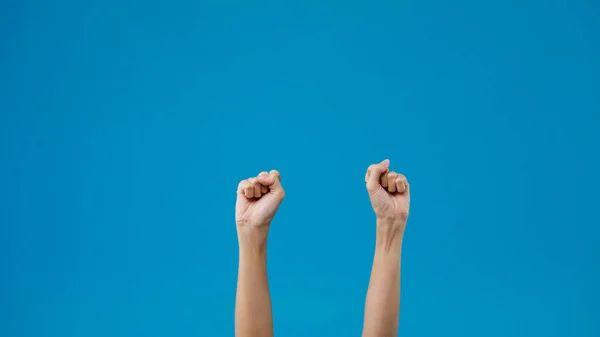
(257, 200)
(389, 193)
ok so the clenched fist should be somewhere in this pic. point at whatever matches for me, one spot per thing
(389, 193)
(258, 199)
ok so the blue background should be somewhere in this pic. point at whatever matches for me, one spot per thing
(126, 126)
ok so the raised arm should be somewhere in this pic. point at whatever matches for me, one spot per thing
(390, 197)
(257, 201)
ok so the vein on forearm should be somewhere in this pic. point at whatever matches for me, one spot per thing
(388, 240)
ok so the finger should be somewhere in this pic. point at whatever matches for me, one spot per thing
(255, 187)
(242, 186)
(263, 189)
(392, 182)
(384, 180)
(276, 173)
(401, 183)
(257, 191)
(249, 189)
(374, 174)
(272, 181)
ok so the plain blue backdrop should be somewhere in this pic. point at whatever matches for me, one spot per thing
(125, 127)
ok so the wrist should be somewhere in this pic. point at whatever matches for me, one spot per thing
(253, 238)
(390, 233)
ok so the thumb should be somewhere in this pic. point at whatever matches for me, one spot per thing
(273, 181)
(374, 174)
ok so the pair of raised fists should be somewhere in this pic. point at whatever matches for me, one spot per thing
(259, 197)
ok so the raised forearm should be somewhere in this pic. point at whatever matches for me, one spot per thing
(253, 317)
(382, 306)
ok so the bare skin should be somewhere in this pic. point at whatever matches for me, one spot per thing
(258, 199)
(390, 197)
